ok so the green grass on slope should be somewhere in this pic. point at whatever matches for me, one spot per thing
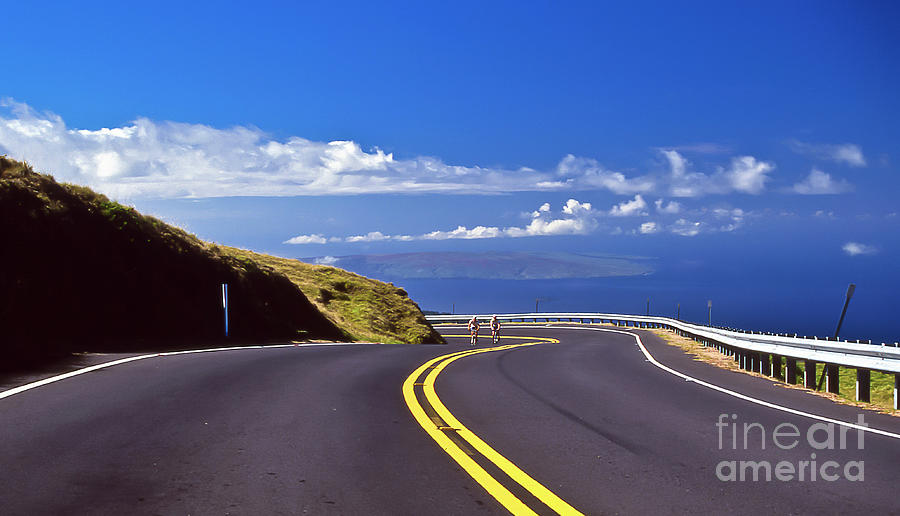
(882, 384)
(369, 310)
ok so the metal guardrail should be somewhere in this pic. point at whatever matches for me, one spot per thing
(751, 349)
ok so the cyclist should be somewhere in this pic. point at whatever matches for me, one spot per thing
(495, 329)
(473, 329)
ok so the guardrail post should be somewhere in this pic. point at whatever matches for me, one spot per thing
(896, 389)
(809, 374)
(764, 364)
(790, 370)
(776, 367)
(832, 379)
(864, 385)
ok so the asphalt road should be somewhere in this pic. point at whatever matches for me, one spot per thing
(326, 430)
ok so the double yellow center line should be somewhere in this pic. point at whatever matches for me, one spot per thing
(443, 423)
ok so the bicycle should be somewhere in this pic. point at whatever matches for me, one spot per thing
(495, 330)
(473, 328)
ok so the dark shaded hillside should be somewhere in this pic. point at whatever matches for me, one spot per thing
(78, 271)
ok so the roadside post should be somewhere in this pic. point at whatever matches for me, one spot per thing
(830, 372)
(850, 290)
(225, 305)
(709, 306)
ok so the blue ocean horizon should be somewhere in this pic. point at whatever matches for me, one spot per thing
(808, 308)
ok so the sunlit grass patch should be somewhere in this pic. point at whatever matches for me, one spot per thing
(882, 384)
(369, 310)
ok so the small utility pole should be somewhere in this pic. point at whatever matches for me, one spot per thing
(225, 305)
(678, 312)
(453, 309)
(850, 290)
(536, 304)
(709, 305)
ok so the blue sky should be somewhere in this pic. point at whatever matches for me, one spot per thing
(679, 130)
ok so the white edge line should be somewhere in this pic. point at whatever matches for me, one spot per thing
(724, 390)
(70, 374)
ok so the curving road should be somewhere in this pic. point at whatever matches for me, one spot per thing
(326, 430)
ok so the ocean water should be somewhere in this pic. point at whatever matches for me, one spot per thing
(765, 304)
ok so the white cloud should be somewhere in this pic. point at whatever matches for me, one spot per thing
(306, 239)
(685, 227)
(150, 159)
(848, 153)
(586, 173)
(462, 232)
(326, 260)
(748, 175)
(575, 218)
(373, 236)
(545, 208)
(630, 208)
(724, 212)
(577, 209)
(670, 209)
(821, 183)
(704, 148)
(153, 159)
(855, 249)
(677, 163)
(648, 228)
(745, 174)
(735, 215)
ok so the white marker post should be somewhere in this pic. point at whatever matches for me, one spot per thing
(225, 305)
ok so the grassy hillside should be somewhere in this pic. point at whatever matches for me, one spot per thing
(81, 272)
(369, 310)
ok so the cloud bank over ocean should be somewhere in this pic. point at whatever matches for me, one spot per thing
(489, 265)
